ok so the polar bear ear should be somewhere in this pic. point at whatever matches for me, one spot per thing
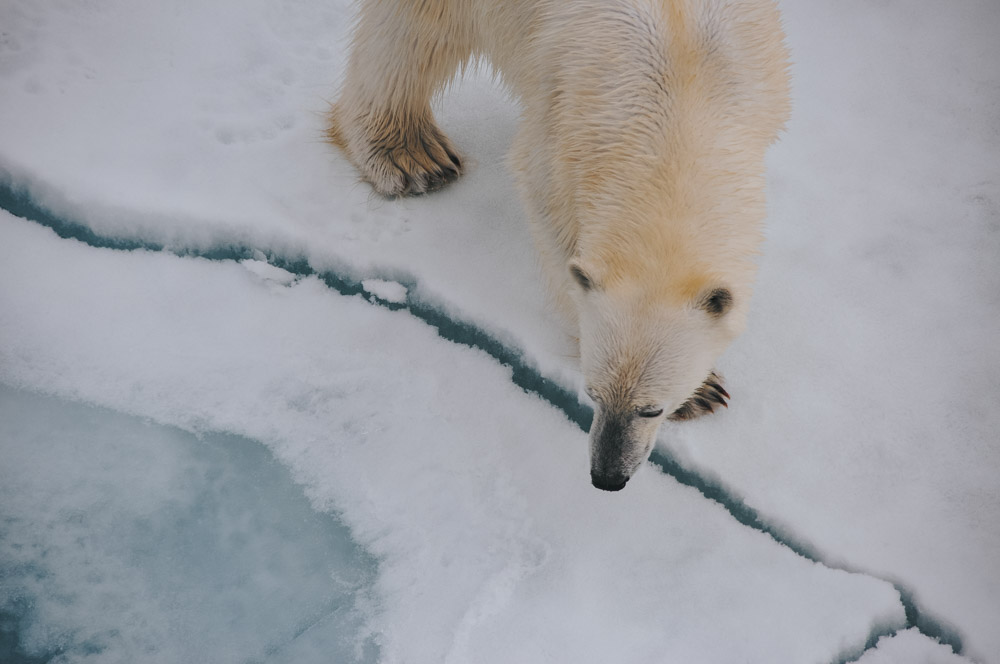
(580, 276)
(717, 302)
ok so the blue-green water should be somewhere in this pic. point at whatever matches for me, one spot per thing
(124, 541)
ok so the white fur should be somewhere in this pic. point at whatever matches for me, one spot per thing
(639, 157)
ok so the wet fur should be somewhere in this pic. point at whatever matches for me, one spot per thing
(639, 158)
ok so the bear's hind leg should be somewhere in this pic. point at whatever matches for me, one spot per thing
(704, 400)
(402, 53)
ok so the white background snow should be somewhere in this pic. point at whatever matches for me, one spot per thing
(357, 486)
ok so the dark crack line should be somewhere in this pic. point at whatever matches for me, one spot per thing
(18, 201)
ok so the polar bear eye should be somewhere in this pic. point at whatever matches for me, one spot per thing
(581, 277)
(650, 411)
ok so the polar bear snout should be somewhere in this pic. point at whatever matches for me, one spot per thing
(605, 484)
(619, 443)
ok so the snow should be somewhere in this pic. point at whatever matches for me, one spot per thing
(912, 647)
(870, 371)
(268, 272)
(390, 291)
(472, 495)
(864, 420)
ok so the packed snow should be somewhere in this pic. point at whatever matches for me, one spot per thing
(909, 646)
(389, 291)
(473, 496)
(864, 421)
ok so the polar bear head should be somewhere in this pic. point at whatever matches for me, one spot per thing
(647, 343)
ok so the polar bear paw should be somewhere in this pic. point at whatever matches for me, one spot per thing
(397, 156)
(705, 400)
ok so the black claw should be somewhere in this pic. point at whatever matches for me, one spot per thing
(716, 384)
(704, 400)
(717, 398)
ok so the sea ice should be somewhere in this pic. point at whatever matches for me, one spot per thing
(124, 541)
(864, 416)
(390, 291)
(473, 496)
(910, 647)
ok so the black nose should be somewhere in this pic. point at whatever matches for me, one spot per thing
(616, 483)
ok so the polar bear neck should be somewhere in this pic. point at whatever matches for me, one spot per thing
(646, 123)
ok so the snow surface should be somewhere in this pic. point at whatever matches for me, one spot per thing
(390, 291)
(865, 416)
(473, 495)
(912, 647)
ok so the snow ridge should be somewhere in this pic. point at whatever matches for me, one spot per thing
(17, 199)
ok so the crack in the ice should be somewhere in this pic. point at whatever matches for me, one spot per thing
(19, 202)
(849, 655)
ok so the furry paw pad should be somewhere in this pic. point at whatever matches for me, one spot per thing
(399, 157)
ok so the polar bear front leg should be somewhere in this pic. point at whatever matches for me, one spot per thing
(705, 399)
(402, 53)
(398, 154)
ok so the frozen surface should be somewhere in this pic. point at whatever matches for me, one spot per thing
(865, 415)
(866, 412)
(179, 124)
(910, 647)
(390, 291)
(123, 541)
(473, 496)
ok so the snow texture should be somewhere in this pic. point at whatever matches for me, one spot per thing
(389, 291)
(472, 495)
(864, 420)
(910, 647)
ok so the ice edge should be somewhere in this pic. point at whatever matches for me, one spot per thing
(16, 198)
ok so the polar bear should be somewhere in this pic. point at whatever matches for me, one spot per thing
(640, 159)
